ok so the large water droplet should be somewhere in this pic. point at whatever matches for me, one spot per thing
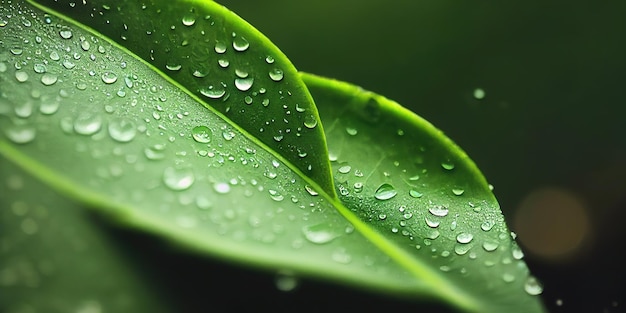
(178, 178)
(48, 79)
(220, 47)
(155, 152)
(188, 20)
(385, 192)
(240, 43)
(486, 225)
(87, 124)
(65, 34)
(221, 188)
(438, 211)
(244, 84)
(479, 94)
(122, 130)
(490, 246)
(213, 92)
(458, 191)
(533, 286)
(415, 194)
(276, 74)
(464, 237)
(109, 77)
(320, 233)
(447, 165)
(310, 121)
(201, 134)
(431, 223)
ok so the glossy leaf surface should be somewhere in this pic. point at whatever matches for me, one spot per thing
(107, 128)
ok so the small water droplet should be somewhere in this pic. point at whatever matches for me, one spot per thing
(508, 277)
(340, 255)
(49, 106)
(122, 130)
(178, 178)
(431, 223)
(220, 47)
(415, 194)
(155, 152)
(244, 84)
(351, 131)
(269, 59)
(213, 92)
(447, 165)
(201, 134)
(39, 68)
(188, 20)
(486, 225)
(345, 169)
(275, 195)
(464, 237)
(240, 43)
(228, 135)
(462, 249)
(319, 233)
(533, 286)
(458, 191)
(438, 210)
(276, 74)
(310, 121)
(221, 188)
(385, 192)
(65, 33)
(285, 281)
(479, 94)
(223, 63)
(490, 246)
(517, 253)
(310, 190)
(109, 77)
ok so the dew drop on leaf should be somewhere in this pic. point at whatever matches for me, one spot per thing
(319, 233)
(201, 134)
(240, 43)
(122, 130)
(438, 210)
(479, 94)
(87, 124)
(276, 74)
(244, 84)
(385, 192)
(21, 134)
(310, 121)
(109, 77)
(415, 194)
(213, 92)
(533, 286)
(178, 178)
(221, 188)
(458, 191)
(188, 20)
(490, 246)
(447, 165)
(464, 237)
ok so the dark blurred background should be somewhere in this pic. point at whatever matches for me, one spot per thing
(533, 91)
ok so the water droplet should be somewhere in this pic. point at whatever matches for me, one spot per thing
(517, 253)
(65, 34)
(275, 195)
(533, 286)
(228, 135)
(155, 152)
(486, 225)
(276, 74)
(220, 47)
(508, 277)
(340, 255)
(188, 20)
(269, 59)
(48, 79)
(458, 191)
(285, 281)
(21, 76)
(39, 68)
(87, 124)
(438, 210)
(385, 192)
(310, 121)
(415, 194)
(173, 65)
(351, 131)
(431, 223)
(122, 130)
(310, 190)
(240, 43)
(464, 237)
(221, 188)
(462, 249)
(320, 233)
(186, 221)
(21, 134)
(109, 77)
(447, 165)
(49, 106)
(345, 169)
(202, 134)
(490, 246)
(479, 94)
(244, 84)
(223, 63)
(178, 178)
(213, 92)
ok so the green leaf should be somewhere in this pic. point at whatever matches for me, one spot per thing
(415, 187)
(107, 128)
(230, 66)
(56, 259)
